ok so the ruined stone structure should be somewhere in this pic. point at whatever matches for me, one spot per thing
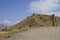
(53, 19)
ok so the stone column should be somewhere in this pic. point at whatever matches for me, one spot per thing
(53, 19)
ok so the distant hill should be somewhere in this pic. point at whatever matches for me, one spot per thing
(4, 26)
(38, 20)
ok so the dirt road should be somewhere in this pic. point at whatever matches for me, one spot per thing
(44, 33)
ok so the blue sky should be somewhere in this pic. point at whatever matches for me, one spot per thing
(13, 11)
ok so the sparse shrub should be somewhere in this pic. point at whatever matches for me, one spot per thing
(33, 19)
(8, 36)
(4, 29)
(39, 15)
(41, 18)
(19, 28)
(30, 25)
(27, 16)
(41, 25)
(33, 13)
(53, 15)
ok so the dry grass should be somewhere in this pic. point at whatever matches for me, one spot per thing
(43, 33)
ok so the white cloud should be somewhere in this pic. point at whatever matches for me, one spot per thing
(44, 6)
(9, 22)
(6, 22)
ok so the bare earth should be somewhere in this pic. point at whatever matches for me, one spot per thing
(44, 33)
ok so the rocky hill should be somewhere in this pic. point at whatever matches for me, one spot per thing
(39, 20)
(35, 27)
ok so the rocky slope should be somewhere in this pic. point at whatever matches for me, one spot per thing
(35, 27)
(38, 20)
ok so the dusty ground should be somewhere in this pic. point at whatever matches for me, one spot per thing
(44, 33)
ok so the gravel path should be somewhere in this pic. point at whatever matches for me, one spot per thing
(44, 33)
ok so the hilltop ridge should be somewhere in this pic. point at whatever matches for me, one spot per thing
(38, 20)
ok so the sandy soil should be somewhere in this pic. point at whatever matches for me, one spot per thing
(44, 33)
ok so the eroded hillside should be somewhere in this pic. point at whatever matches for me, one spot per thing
(39, 20)
(32, 22)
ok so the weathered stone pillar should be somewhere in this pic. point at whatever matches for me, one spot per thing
(53, 19)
